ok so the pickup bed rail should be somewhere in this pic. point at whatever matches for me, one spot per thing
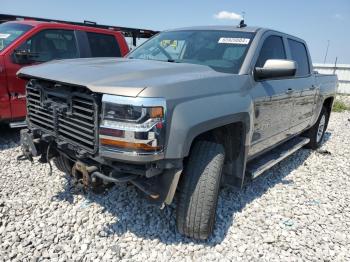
(127, 31)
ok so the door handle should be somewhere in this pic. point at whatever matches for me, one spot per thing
(289, 91)
(313, 87)
(14, 96)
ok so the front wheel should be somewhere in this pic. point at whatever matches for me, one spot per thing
(316, 133)
(199, 189)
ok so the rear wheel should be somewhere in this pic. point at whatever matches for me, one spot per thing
(199, 189)
(316, 133)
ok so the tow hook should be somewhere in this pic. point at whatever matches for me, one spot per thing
(80, 171)
(123, 178)
(27, 145)
(92, 178)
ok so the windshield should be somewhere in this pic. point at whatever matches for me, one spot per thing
(9, 32)
(224, 51)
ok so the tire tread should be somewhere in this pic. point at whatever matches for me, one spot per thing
(312, 132)
(199, 190)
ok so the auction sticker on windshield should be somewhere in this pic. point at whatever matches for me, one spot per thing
(234, 41)
(4, 36)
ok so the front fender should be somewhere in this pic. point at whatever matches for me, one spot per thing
(194, 117)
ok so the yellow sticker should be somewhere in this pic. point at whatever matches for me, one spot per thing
(166, 43)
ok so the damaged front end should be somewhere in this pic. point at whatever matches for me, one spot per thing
(100, 139)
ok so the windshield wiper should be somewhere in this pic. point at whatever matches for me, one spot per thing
(173, 61)
(169, 60)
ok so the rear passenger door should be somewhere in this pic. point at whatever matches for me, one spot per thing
(103, 45)
(92, 44)
(303, 85)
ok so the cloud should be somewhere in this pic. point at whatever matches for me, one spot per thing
(224, 15)
(338, 17)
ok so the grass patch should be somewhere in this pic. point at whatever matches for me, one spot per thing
(340, 106)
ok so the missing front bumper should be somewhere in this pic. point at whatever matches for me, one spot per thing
(156, 179)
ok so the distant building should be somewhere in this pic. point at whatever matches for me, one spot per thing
(343, 72)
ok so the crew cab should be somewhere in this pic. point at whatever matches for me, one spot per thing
(28, 42)
(188, 111)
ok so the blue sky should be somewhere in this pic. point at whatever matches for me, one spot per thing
(315, 21)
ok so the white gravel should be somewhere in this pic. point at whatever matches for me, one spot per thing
(297, 211)
(344, 98)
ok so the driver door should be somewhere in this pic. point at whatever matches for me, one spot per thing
(44, 46)
(273, 100)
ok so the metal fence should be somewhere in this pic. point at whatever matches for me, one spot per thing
(343, 72)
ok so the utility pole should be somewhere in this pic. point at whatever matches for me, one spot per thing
(335, 65)
(325, 57)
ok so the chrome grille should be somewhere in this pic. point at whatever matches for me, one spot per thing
(69, 116)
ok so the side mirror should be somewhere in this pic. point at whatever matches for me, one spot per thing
(276, 68)
(21, 57)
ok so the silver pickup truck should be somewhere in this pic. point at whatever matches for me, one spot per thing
(185, 113)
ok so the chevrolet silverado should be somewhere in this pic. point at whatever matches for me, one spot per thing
(188, 111)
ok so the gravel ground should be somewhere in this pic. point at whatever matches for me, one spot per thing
(299, 210)
(344, 98)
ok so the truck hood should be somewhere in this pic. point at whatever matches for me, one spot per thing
(117, 76)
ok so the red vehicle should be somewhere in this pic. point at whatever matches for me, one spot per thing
(28, 42)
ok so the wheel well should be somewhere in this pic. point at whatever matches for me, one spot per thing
(328, 103)
(230, 136)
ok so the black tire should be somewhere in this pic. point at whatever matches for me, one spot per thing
(199, 190)
(63, 164)
(313, 132)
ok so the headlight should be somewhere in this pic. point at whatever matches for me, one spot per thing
(134, 125)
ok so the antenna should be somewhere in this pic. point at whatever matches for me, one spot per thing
(241, 23)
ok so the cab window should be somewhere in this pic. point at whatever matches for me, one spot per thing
(51, 44)
(103, 45)
(299, 55)
(273, 48)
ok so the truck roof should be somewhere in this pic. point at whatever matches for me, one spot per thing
(248, 29)
(37, 21)
(63, 25)
(221, 28)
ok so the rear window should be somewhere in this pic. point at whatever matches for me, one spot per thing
(9, 32)
(299, 55)
(102, 45)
